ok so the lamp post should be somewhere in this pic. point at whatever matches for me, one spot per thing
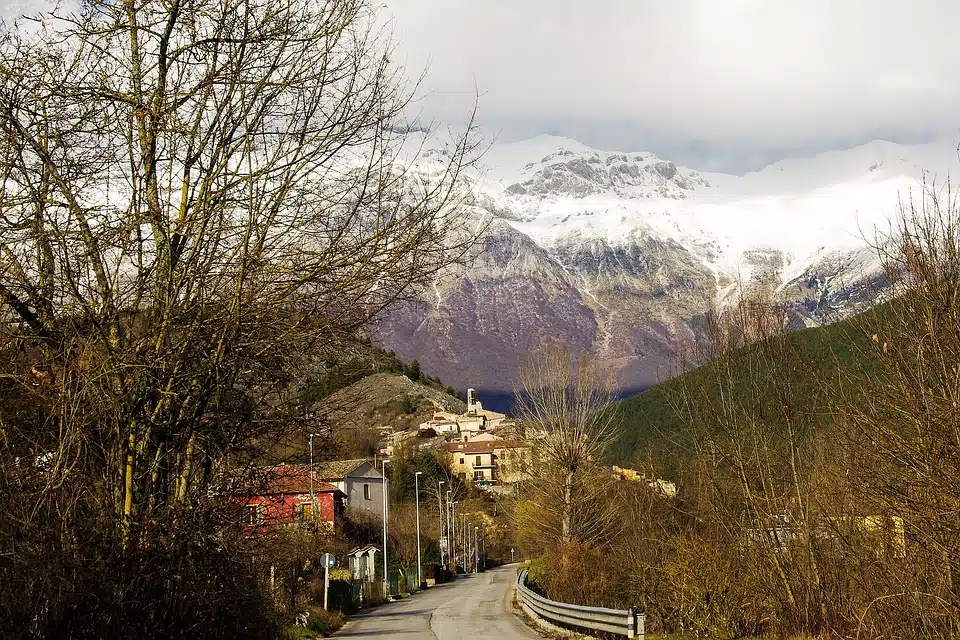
(386, 579)
(453, 520)
(440, 506)
(450, 529)
(483, 547)
(416, 484)
(476, 552)
(466, 544)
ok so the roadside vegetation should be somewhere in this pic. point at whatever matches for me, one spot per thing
(202, 204)
(817, 472)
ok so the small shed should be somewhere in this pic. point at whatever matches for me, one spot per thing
(362, 562)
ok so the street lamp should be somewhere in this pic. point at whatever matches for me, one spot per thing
(313, 500)
(416, 484)
(453, 520)
(440, 506)
(466, 543)
(476, 552)
(449, 528)
(483, 547)
(386, 579)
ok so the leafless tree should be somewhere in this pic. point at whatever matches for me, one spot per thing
(564, 402)
(198, 198)
(903, 433)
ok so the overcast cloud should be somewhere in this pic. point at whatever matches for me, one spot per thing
(716, 84)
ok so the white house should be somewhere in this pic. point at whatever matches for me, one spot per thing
(362, 483)
(442, 424)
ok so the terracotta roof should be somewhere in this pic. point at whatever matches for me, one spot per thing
(288, 478)
(336, 469)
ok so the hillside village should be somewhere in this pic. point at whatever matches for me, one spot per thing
(479, 447)
(486, 452)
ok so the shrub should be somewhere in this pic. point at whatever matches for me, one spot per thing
(324, 622)
(339, 594)
(341, 574)
(298, 633)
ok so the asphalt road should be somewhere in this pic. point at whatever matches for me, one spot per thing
(474, 606)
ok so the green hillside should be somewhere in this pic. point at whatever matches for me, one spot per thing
(800, 364)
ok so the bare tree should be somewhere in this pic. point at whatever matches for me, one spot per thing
(565, 404)
(903, 432)
(198, 198)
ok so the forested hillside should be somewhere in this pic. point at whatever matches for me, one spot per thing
(653, 421)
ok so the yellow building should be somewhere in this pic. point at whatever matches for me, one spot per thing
(490, 462)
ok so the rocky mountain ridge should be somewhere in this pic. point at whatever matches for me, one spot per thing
(620, 255)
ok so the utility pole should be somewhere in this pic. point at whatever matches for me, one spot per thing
(416, 484)
(476, 552)
(440, 505)
(386, 578)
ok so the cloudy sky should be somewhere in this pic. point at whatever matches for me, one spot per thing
(714, 84)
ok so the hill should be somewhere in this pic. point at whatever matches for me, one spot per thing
(355, 398)
(801, 364)
(376, 407)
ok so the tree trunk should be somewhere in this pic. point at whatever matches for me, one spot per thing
(566, 514)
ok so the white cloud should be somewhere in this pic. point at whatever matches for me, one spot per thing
(735, 79)
(717, 84)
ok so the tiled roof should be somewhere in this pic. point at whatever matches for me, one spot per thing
(288, 478)
(336, 469)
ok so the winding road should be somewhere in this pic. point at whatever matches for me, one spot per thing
(473, 606)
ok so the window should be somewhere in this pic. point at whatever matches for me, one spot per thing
(252, 515)
(478, 474)
(463, 461)
(479, 461)
(366, 492)
(303, 512)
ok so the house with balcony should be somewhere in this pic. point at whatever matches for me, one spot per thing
(490, 462)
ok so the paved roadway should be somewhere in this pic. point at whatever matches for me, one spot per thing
(473, 606)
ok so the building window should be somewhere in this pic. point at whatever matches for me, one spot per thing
(303, 512)
(463, 461)
(478, 463)
(252, 515)
(478, 474)
(366, 492)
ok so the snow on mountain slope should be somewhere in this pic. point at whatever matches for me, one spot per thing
(619, 254)
(803, 208)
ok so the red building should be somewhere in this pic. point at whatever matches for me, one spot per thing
(284, 498)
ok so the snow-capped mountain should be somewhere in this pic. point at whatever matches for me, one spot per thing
(621, 254)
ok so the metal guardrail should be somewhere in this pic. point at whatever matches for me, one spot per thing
(629, 623)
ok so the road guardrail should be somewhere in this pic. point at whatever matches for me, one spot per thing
(629, 623)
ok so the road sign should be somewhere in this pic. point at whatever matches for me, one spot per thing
(329, 562)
